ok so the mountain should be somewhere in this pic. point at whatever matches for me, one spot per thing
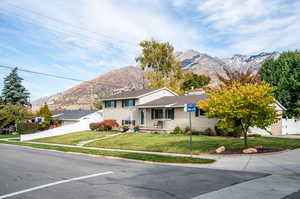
(131, 77)
(79, 96)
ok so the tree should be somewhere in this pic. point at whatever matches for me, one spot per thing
(11, 114)
(194, 81)
(162, 68)
(242, 76)
(248, 105)
(13, 91)
(97, 106)
(284, 74)
(1, 100)
(45, 112)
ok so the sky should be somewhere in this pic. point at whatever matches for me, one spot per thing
(83, 39)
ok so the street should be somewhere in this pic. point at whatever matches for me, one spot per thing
(33, 173)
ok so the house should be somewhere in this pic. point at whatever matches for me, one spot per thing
(161, 110)
(73, 116)
(158, 110)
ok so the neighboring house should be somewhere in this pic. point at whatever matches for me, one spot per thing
(155, 110)
(73, 116)
(162, 110)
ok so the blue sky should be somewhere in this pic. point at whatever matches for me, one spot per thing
(83, 39)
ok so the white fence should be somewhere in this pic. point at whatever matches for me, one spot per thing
(291, 126)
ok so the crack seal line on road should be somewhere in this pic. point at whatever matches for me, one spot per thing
(54, 183)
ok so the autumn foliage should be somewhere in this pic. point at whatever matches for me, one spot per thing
(106, 125)
(244, 105)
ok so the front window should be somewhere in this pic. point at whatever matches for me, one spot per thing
(199, 112)
(110, 104)
(170, 113)
(128, 102)
(163, 113)
(157, 113)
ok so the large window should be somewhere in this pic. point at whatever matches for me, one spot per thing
(110, 104)
(199, 112)
(160, 114)
(157, 113)
(128, 102)
(170, 113)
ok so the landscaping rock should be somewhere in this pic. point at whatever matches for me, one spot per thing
(220, 149)
(250, 150)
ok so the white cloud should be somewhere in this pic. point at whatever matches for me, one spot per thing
(253, 25)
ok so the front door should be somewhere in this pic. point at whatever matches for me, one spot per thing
(142, 117)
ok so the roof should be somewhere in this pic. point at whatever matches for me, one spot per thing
(174, 101)
(71, 114)
(133, 94)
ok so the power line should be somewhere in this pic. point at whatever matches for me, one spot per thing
(66, 23)
(55, 76)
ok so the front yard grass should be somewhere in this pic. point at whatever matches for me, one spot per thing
(180, 143)
(74, 138)
(9, 136)
(128, 155)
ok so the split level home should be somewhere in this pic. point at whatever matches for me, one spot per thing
(161, 110)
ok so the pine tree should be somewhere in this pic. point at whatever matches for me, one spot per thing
(1, 100)
(13, 91)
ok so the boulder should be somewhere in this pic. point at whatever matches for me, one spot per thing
(220, 149)
(250, 150)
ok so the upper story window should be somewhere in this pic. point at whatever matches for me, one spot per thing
(128, 102)
(110, 104)
(199, 112)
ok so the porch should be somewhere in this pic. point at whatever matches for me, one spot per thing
(156, 119)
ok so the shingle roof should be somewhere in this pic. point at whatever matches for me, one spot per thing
(174, 101)
(130, 94)
(71, 114)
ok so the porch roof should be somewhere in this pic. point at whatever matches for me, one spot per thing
(173, 101)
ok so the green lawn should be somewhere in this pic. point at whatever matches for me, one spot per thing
(135, 156)
(74, 138)
(9, 136)
(180, 143)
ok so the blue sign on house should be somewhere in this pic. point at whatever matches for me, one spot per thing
(190, 107)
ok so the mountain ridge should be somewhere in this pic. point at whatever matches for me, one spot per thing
(113, 82)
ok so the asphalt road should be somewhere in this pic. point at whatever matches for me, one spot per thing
(35, 174)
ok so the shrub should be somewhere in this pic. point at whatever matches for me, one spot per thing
(106, 125)
(177, 130)
(209, 132)
(235, 131)
(26, 127)
(197, 133)
(254, 135)
(187, 130)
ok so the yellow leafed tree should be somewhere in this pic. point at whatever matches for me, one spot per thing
(246, 105)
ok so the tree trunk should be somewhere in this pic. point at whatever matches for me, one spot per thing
(245, 139)
(245, 131)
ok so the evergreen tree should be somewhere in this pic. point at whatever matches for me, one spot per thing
(13, 91)
(284, 74)
(1, 100)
